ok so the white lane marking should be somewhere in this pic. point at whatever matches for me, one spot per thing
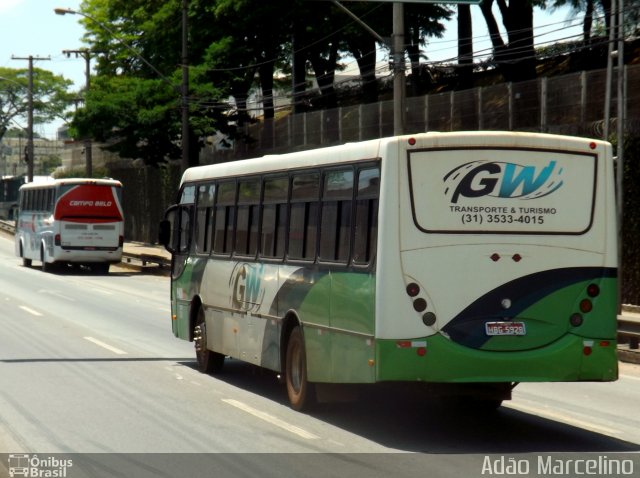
(56, 294)
(560, 417)
(103, 291)
(271, 419)
(31, 311)
(106, 346)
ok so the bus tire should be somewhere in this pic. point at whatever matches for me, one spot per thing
(101, 268)
(46, 267)
(208, 360)
(301, 393)
(25, 262)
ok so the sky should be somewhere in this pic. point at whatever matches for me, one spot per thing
(31, 28)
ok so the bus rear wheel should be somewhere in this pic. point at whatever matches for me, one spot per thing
(208, 361)
(46, 266)
(301, 393)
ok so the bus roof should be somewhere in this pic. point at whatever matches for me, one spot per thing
(349, 152)
(73, 182)
(367, 150)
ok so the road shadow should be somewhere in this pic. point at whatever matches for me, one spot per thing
(400, 418)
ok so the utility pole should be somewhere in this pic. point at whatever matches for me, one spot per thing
(397, 56)
(86, 54)
(30, 156)
(185, 85)
(399, 79)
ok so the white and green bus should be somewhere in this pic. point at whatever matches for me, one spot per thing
(468, 261)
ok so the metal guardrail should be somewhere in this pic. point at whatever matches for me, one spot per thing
(8, 226)
(127, 257)
(629, 325)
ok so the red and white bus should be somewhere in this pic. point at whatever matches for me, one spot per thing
(71, 221)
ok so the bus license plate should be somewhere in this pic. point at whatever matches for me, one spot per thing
(505, 328)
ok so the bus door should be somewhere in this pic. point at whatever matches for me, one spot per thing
(176, 236)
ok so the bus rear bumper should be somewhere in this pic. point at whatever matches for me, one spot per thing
(437, 359)
(88, 256)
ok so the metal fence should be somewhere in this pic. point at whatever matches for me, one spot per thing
(569, 104)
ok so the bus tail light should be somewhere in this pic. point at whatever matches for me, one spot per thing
(585, 306)
(576, 320)
(413, 289)
(120, 241)
(57, 240)
(420, 304)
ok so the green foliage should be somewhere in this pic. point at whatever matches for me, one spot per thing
(98, 172)
(137, 118)
(51, 97)
(234, 47)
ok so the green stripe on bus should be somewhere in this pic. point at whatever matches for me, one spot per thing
(446, 361)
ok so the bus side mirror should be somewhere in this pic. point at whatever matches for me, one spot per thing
(164, 233)
(166, 229)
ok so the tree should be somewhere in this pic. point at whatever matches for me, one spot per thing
(422, 22)
(50, 96)
(235, 47)
(516, 58)
(134, 117)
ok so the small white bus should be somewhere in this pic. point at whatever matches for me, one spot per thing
(71, 221)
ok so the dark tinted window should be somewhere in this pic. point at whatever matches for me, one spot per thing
(224, 220)
(274, 217)
(303, 222)
(366, 219)
(247, 224)
(335, 226)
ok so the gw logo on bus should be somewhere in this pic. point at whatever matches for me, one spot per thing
(245, 281)
(503, 180)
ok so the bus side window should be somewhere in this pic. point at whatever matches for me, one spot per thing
(366, 221)
(247, 225)
(204, 208)
(303, 218)
(224, 222)
(274, 217)
(335, 225)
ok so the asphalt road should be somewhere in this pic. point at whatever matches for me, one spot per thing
(88, 366)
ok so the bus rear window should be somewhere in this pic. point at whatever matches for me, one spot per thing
(502, 191)
(88, 201)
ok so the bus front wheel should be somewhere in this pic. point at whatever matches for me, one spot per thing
(25, 262)
(301, 393)
(208, 361)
